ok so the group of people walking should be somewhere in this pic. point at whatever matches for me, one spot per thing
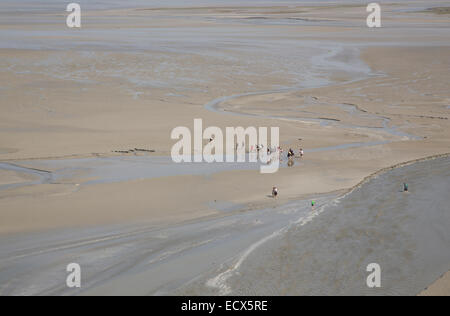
(291, 153)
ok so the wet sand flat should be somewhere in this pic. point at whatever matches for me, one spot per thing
(357, 100)
(405, 233)
(440, 288)
(293, 249)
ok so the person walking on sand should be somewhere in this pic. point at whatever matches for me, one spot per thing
(405, 187)
(290, 153)
(301, 152)
(274, 192)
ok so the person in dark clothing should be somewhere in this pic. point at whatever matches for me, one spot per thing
(274, 192)
(291, 153)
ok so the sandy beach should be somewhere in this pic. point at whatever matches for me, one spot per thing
(87, 114)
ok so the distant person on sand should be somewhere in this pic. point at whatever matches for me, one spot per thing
(274, 192)
(301, 152)
(290, 153)
(405, 187)
(313, 203)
